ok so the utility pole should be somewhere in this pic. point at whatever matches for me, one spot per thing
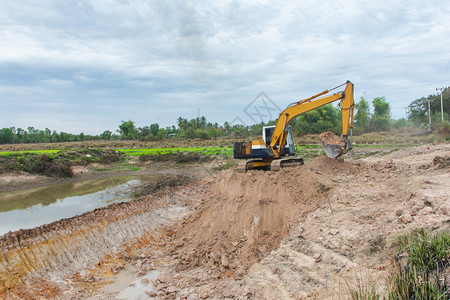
(406, 113)
(442, 103)
(429, 111)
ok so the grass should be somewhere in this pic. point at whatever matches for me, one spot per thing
(227, 165)
(159, 151)
(423, 274)
(424, 251)
(364, 291)
(421, 265)
(39, 152)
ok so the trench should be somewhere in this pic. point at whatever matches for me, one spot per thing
(61, 249)
(28, 208)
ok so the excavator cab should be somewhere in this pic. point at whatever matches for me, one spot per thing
(289, 147)
(261, 148)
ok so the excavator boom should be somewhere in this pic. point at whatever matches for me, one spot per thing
(303, 106)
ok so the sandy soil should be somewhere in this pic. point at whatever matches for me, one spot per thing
(300, 233)
(330, 138)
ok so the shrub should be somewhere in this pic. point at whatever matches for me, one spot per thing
(35, 163)
(59, 169)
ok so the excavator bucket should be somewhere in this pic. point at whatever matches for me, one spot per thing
(332, 145)
(332, 150)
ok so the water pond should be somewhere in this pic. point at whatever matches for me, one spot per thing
(33, 207)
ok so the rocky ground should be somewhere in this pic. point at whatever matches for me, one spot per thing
(308, 232)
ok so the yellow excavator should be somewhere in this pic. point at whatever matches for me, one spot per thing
(277, 144)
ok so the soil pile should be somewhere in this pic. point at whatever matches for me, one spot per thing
(244, 217)
(330, 138)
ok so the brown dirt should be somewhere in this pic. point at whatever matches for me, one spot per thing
(330, 138)
(299, 233)
(244, 216)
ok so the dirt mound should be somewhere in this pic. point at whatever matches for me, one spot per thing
(330, 138)
(338, 167)
(441, 162)
(244, 216)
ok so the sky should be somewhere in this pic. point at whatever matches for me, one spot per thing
(86, 66)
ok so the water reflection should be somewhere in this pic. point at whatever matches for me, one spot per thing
(34, 207)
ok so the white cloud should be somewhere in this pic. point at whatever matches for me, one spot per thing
(175, 57)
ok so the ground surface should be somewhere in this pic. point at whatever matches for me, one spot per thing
(298, 233)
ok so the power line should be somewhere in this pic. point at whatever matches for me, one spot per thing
(445, 73)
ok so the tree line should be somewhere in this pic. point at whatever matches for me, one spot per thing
(13, 135)
(370, 116)
(419, 115)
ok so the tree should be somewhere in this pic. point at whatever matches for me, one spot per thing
(317, 121)
(418, 109)
(154, 128)
(381, 120)
(202, 122)
(399, 123)
(381, 107)
(106, 135)
(362, 115)
(48, 135)
(182, 123)
(7, 135)
(144, 133)
(127, 130)
(20, 134)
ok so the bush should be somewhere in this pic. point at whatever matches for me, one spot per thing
(178, 157)
(381, 124)
(59, 169)
(444, 130)
(35, 164)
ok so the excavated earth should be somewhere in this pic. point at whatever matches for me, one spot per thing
(301, 233)
(329, 138)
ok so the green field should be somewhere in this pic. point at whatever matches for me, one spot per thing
(40, 152)
(227, 151)
(159, 151)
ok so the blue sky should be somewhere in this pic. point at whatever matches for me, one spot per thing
(84, 66)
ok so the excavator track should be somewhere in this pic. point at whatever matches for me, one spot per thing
(242, 167)
(279, 164)
(253, 164)
(276, 165)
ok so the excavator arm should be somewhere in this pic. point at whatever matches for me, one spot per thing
(347, 105)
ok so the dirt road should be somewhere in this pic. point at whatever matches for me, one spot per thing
(306, 232)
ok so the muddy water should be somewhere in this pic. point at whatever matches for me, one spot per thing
(37, 206)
